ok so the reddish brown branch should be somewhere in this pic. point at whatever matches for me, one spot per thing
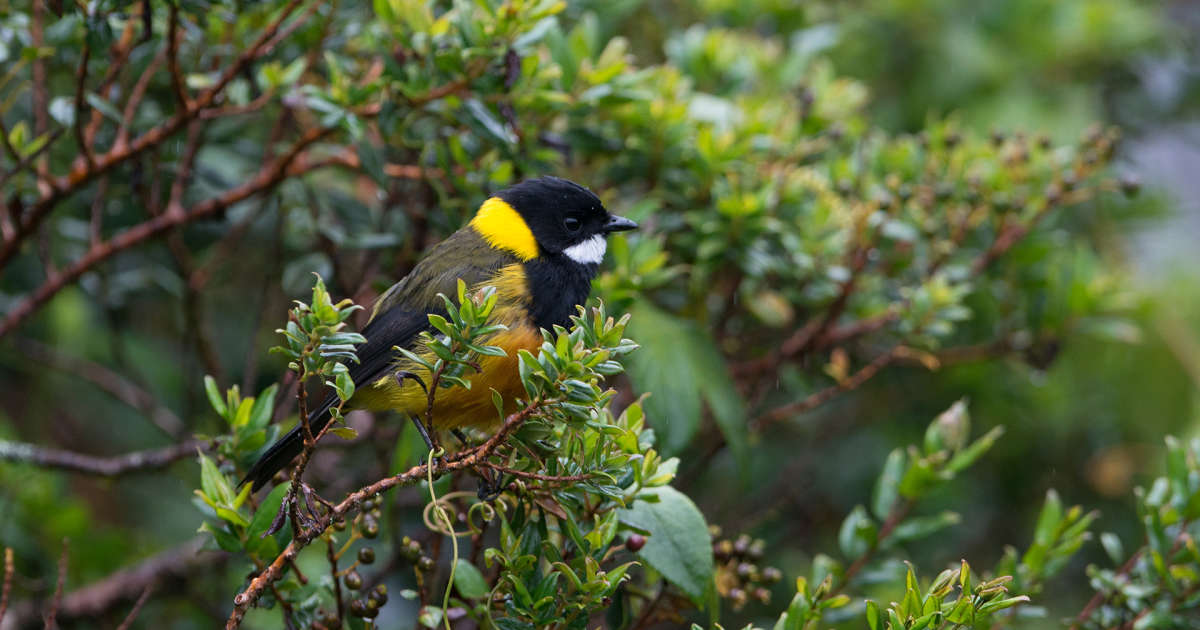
(115, 384)
(173, 58)
(266, 178)
(135, 98)
(127, 585)
(823, 396)
(80, 89)
(458, 461)
(538, 476)
(56, 601)
(894, 518)
(137, 608)
(137, 461)
(120, 55)
(6, 589)
(64, 186)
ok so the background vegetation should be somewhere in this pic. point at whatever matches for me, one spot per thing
(855, 214)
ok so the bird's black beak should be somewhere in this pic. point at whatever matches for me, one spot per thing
(618, 224)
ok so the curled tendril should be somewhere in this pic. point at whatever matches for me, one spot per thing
(479, 513)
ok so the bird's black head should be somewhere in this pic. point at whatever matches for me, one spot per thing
(564, 217)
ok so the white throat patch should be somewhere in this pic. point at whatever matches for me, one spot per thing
(588, 252)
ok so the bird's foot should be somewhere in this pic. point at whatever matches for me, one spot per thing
(490, 486)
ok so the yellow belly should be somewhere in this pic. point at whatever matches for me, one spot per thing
(458, 406)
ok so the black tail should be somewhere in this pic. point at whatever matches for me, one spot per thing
(288, 447)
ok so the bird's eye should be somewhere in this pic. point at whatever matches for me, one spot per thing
(572, 224)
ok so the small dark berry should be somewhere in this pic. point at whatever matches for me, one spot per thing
(762, 595)
(1130, 185)
(425, 563)
(380, 594)
(635, 542)
(352, 580)
(370, 527)
(366, 555)
(358, 608)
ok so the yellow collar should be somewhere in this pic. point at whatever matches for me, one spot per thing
(503, 228)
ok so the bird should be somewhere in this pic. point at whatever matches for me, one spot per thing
(538, 243)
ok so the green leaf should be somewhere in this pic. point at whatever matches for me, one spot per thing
(679, 365)
(874, 619)
(1048, 521)
(264, 405)
(214, 396)
(887, 488)
(469, 581)
(968, 455)
(679, 546)
(213, 483)
(262, 519)
(857, 533)
(923, 526)
(1112, 546)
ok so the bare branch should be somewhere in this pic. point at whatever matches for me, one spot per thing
(173, 58)
(137, 461)
(135, 98)
(267, 178)
(127, 585)
(41, 99)
(64, 186)
(459, 461)
(819, 398)
(52, 614)
(106, 379)
(137, 608)
(80, 89)
(120, 55)
(28, 160)
(8, 576)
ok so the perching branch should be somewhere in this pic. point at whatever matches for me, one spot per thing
(458, 461)
(127, 585)
(135, 462)
(106, 379)
(269, 176)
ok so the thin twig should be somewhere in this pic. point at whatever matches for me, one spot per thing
(64, 186)
(894, 518)
(137, 608)
(173, 58)
(137, 461)
(458, 461)
(331, 554)
(126, 585)
(539, 476)
(1100, 597)
(56, 601)
(136, 95)
(825, 395)
(29, 159)
(39, 86)
(8, 577)
(106, 379)
(269, 176)
(80, 89)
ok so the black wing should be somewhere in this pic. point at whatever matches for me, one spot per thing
(401, 313)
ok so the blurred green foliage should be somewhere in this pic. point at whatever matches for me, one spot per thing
(854, 214)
